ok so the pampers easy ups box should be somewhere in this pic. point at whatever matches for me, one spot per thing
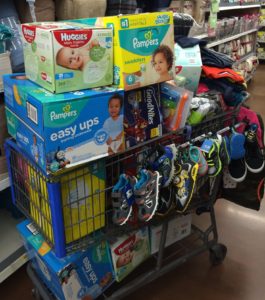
(143, 47)
(64, 57)
(64, 129)
(142, 116)
(82, 275)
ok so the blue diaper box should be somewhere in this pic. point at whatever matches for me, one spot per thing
(142, 116)
(82, 275)
(62, 130)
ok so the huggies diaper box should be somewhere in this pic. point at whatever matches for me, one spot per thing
(82, 275)
(65, 57)
(61, 130)
(129, 251)
(142, 116)
(143, 47)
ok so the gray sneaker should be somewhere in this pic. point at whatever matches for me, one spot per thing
(146, 194)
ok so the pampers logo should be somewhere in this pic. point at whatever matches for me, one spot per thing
(162, 19)
(147, 42)
(67, 112)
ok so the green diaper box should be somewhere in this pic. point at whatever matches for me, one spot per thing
(63, 57)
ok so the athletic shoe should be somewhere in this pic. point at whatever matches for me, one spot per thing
(165, 201)
(213, 159)
(196, 155)
(164, 163)
(237, 149)
(183, 184)
(254, 158)
(146, 194)
(237, 169)
(225, 154)
(199, 109)
(123, 199)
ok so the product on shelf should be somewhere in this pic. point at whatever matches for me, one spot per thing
(140, 41)
(142, 116)
(188, 65)
(64, 129)
(129, 251)
(82, 275)
(65, 57)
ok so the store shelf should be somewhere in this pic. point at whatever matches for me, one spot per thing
(230, 38)
(4, 181)
(201, 36)
(223, 8)
(261, 42)
(244, 58)
(12, 252)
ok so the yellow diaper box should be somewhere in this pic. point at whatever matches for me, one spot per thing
(143, 47)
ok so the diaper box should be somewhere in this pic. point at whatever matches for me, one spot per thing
(82, 275)
(129, 251)
(63, 57)
(143, 47)
(142, 116)
(188, 65)
(178, 228)
(62, 130)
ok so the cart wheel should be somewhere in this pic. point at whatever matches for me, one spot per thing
(36, 294)
(217, 254)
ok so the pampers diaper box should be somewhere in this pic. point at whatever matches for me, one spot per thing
(62, 130)
(129, 251)
(143, 47)
(82, 275)
(64, 57)
(142, 116)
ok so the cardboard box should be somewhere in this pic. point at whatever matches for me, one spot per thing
(129, 251)
(136, 38)
(142, 116)
(64, 129)
(65, 57)
(178, 228)
(74, 277)
(188, 65)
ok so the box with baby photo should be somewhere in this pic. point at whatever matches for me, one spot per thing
(65, 57)
(65, 129)
(129, 251)
(142, 116)
(82, 275)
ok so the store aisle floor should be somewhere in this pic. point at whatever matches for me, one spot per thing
(240, 277)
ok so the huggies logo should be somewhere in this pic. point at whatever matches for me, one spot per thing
(67, 113)
(29, 33)
(75, 38)
(149, 41)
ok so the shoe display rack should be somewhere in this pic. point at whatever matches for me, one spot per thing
(35, 195)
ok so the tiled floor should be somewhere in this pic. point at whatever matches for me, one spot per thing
(240, 277)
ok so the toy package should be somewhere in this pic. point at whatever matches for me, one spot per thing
(143, 47)
(188, 67)
(61, 130)
(129, 251)
(142, 116)
(82, 275)
(65, 57)
(175, 102)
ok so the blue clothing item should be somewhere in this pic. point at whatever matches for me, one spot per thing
(113, 127)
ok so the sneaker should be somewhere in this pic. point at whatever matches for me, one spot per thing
(196, 155)
(199, 109)
(213, 159)
(237, 149)
(123, 199)
(253, 158)
(146, 194)
(183, 184)
(165, 201)
(225, 155)
(237, 170)
(164, 163)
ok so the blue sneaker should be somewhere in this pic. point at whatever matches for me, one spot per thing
(196, 156)
(146, 194)
(164, 163)
(237, 149)
(123, 199)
